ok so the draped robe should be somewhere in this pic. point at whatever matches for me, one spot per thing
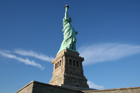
(69, 41)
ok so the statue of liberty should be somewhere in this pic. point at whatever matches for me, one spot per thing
(69, 41)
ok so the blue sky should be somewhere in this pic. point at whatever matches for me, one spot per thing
(108, 38)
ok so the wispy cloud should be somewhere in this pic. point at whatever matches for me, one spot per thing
(106, 52)
(94, 86)
(34, 54)
(25, 61)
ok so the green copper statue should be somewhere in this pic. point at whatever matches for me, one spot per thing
(69, 41)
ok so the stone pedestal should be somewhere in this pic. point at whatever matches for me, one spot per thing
(68, 70)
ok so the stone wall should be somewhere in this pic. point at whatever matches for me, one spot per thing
(37, 87)
(119, 90)
(27, 88)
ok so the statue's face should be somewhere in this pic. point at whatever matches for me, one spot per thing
(69, 19)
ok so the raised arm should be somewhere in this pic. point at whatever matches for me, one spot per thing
(66, 11)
